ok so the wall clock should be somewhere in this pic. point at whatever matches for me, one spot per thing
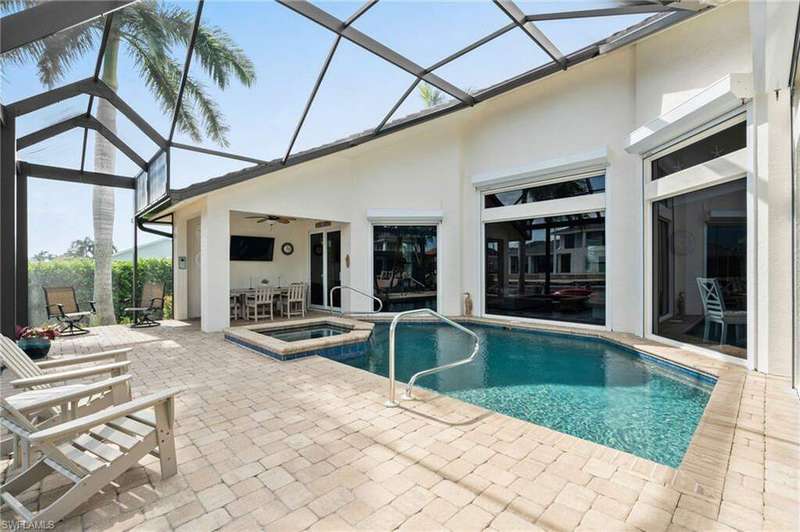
(287, 248)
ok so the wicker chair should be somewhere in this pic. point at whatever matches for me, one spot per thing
(62, 304)
(152, 303)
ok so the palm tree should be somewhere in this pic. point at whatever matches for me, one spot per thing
(147, 31)
(430, 94)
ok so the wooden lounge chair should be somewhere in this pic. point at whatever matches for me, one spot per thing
(62, 304)
(33, 376)
(92, 451)
(151, 303)
(32, 411)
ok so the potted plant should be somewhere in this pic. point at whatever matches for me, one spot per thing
(35, 341)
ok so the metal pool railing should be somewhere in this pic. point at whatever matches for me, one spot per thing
(356, 290)
(391, 402)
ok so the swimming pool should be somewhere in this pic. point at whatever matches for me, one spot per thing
(581, 386)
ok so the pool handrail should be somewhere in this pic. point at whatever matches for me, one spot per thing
(391, 402)
(340, 287)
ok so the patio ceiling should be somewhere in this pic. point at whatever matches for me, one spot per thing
(323, 71)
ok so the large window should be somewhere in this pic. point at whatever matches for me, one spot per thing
(404, 266)
(563, 277)
(700, 268)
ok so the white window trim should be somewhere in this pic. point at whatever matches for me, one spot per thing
(540, 209)
(566, 168)
(731, 167)
(564, 206)
(412, 220)
(721, 97)
(405, 216)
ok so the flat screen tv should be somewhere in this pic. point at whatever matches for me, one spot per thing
(252, 248)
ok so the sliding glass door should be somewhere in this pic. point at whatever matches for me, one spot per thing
(325, 267)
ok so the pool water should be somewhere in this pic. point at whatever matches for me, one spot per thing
(306, 333)
(580, 386)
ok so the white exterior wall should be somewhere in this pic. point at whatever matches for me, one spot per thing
(594, 105)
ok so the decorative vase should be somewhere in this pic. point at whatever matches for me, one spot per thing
(35, 347)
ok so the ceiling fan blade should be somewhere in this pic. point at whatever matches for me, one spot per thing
(284, 221)
(252, 217)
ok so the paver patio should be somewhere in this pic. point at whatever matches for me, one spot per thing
(309, 444)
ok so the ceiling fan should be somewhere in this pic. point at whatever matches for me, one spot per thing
(270, 218)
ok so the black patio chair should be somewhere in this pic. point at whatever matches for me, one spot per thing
(62, 304)
(151, 303)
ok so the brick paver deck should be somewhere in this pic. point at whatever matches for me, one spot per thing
(308, 444)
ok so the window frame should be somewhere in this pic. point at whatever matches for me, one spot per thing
(725, 169)
(407, 222)
(541, 209)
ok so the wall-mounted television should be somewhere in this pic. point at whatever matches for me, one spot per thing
(252, 248)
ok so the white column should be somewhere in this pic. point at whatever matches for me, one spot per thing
(780, 233)
(772, 26)
(215, 266)
(179, 277)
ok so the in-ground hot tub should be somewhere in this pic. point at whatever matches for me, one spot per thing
(331, 337)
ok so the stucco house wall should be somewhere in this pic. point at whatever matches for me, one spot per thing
(592, 106)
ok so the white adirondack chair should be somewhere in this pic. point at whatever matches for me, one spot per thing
(39, 384)
(32, 375)
(715, 312)
(92, 451)
(28, 412)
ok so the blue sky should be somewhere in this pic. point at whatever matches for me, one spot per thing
(287, 51)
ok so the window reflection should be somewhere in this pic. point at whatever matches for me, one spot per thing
(716, 145)
(564, 189)
(548, 268)
(700, 268)
(404, 266)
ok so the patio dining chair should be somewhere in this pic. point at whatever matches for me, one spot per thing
(92, 451)
(295, 301)
(151, 304)
(715, 312)
(61, 303)
(235, 306)
(262, 299)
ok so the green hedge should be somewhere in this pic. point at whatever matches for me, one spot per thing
(79, 273)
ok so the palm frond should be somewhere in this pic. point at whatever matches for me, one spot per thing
(162, 75)
(430, 94)
(62, 50)
(13, 6)
(221, 58)
(213, 123)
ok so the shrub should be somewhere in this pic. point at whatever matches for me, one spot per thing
(79, 273)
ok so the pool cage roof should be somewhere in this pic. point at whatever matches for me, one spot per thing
(348, 56)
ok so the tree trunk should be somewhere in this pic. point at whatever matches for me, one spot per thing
(105, 158)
